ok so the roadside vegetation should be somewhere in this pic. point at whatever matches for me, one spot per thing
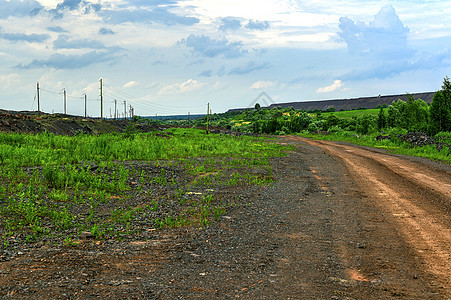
(388, 127)
(60, 189)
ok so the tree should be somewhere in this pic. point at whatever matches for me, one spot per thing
(412, 115)
(331, 120)
(366, 123)
(300, 122)
(257, 106)
(381, 119)
(394, 115)
(440, 110)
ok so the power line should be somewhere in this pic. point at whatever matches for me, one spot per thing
(130, 97)
(111, 94)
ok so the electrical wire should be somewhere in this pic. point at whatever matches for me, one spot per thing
(112, 94)
(150, 104)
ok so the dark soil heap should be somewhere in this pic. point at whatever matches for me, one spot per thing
(417, 139)
(33, 123)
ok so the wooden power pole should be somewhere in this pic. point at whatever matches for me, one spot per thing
(101, 98)
(208, 111)
(115, 109)
(64, 95)
(125, 110)
(85, 105)
(37, 93)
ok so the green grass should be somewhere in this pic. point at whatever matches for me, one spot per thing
(54, 188)
(349, 114)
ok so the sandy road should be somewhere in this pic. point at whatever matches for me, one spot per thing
(416, 195)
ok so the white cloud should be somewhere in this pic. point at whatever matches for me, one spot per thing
(130, 84)
(93, 87)
(330, 88)
(177, 88)
(385, 36)
(10, 80)
(263, 84)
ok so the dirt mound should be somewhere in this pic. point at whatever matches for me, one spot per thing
(33, 123)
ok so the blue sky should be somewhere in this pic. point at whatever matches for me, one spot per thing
(173, 57)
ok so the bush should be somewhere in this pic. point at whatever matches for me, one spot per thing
(312, 127)
(366, 123)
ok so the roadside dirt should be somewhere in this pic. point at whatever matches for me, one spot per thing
(341, 222)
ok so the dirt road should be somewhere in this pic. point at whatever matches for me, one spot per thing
(341, 222)
(409, 196)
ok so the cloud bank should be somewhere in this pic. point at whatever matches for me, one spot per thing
(209, 47)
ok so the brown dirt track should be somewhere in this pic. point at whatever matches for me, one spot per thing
(341, 222)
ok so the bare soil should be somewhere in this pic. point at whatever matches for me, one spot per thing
(340, 222)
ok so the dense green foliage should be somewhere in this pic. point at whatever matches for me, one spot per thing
(413, 115)
(440, 110)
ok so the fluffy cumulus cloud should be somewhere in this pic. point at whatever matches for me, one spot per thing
(19, 8)
(105, 31)
(263, 84)
(71, 5)
(385, 36)
(177, 88)
(229, 24)
(257, 25)
(383, 43)
(331, 88)
(209, 47)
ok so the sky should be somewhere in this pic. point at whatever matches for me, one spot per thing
(167, 57)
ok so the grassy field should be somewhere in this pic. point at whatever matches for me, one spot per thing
(349, 114)
(55, 189)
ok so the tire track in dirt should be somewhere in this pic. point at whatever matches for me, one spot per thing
(417, 197)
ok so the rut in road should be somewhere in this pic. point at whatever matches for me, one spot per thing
(417, 197)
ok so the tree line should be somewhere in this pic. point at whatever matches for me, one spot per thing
(411, 115)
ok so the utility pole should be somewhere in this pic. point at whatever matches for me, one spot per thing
(131, 111)
(37, 93)
(115, 109)
(208, 110)
(101, 98)
(85, 105)
(188, 117)
(64, 93)
(125, 110)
